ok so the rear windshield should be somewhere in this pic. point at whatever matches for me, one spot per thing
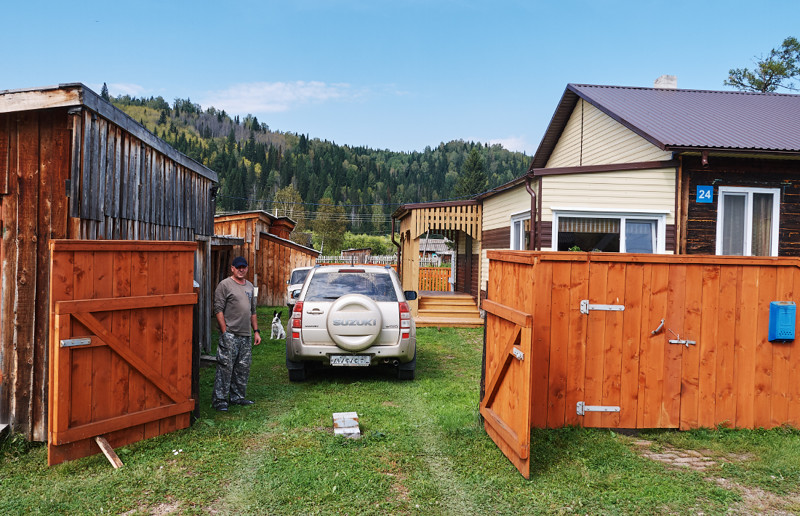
(327, 286)
(298, 276)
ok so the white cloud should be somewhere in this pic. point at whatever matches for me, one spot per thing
(274, 97)
(515, 144)
(119, 88)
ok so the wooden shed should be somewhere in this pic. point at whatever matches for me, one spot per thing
(72, 166)
(617, 340)
(268, 250)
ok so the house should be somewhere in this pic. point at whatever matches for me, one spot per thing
(73, 166)
(656, 170)
(268, 250)
(644, 170)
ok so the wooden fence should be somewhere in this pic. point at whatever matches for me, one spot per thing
(120, 343)
(635, 341)
(435, 279)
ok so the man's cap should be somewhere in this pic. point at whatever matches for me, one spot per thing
(239, 262)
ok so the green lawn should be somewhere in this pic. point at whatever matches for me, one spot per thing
(423, 451)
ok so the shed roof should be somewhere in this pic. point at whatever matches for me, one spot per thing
(79, 95)
(675, 119)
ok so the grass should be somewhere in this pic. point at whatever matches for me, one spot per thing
(423, 451)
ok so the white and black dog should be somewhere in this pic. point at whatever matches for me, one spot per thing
(277, 327)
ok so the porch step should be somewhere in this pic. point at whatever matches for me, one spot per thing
(448, 310)
(448, 322)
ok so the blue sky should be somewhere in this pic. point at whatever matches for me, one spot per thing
(398, 75)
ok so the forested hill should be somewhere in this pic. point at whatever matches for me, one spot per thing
(254, 163)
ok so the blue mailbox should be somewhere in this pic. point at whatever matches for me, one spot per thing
(782, 316)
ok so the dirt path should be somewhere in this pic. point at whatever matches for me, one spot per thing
(754, 500)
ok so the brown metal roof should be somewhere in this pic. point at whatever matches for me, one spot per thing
(674, 119)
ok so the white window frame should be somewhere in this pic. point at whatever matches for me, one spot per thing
(660, 218)
(518, 218)
(748, 222)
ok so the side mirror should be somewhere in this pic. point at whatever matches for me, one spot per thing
(295, 294)
(410, 295)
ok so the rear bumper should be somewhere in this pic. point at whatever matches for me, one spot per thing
(403, 352)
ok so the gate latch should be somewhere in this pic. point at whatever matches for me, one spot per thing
(585, 307)
(679, 340)
(583, 408)
(519, 355)
(683, 341)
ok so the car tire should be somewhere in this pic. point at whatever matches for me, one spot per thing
(298, 375)
(408, 370)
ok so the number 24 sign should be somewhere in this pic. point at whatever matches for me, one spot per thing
(705, 193)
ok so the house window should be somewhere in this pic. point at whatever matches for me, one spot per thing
(609, 232)
(747, 221)
(521, 231)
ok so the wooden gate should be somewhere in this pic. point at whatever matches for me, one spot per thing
(121, 343)
(506, 402)
(637, 341)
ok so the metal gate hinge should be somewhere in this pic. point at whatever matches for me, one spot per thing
(67, 343)
(583, 408)
(519, 355)
(585, 307)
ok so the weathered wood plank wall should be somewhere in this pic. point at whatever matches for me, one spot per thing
(271, 258)
(276, 260)
(731, 375)
(82, 171)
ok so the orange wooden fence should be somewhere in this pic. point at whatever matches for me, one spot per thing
(121, 343)
(435, 279)
(662, 341)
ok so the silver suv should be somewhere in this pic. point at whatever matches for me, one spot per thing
(352, 316)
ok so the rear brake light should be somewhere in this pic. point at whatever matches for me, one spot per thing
(297, 317)
(352, 270)
(405, 320)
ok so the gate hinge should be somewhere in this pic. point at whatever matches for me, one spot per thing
(585, 307)
(583, 408)
(68, 343)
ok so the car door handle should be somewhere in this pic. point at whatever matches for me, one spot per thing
(315, 311)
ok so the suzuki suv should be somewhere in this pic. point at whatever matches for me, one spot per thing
(352, 316)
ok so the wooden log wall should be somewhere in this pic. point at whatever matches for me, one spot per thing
(71, 173)
(700, 219)
(730, 375)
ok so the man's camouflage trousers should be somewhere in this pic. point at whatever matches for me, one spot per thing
(234, 354)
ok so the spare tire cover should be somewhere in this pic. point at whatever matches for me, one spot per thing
(354, 322)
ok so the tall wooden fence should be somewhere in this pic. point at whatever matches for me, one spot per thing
(635, 341)
(120, 343)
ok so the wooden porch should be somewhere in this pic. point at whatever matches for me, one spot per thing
(450, 309)
(460, 222)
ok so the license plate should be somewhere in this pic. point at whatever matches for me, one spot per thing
(350, 360)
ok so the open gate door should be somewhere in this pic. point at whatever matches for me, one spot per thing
(120, 343)
(506, 405)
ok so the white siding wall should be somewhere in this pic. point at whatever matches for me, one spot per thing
(497, 212)
(624, 191)
(605, 141)
(498, 209)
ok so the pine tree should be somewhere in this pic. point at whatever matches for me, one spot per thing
(472, 180)
(104, 93)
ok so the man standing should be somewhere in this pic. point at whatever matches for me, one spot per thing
(235, 310)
